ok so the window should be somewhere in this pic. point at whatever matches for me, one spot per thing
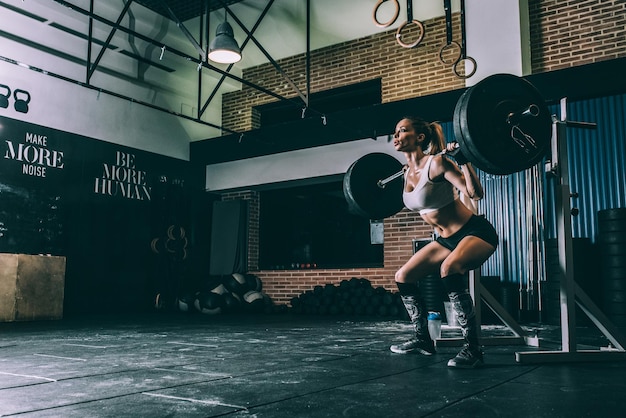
(347, 97)
(310, 227)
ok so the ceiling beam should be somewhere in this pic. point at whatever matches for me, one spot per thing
(167, 48)
(92, 67)
(185, 31)
(230, 66)
(112, 93)
(304, 98)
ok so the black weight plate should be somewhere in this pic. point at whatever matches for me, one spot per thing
(456, 116)
(612, 273)
(613, 285)
(612, 214)
(614, 296)
(360, 186)
(459, 124)
(486, 132)
(611, 308)
(618, 320)
(613, 261)
(518, 95)
(612, 250)
(613, 225)
(463, 136)
(612, 238)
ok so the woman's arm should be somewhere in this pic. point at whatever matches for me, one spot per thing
(463, 177)
(472, 183)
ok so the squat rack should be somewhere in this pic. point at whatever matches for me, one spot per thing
(570, 293)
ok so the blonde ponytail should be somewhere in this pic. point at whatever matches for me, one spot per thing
(437, 138)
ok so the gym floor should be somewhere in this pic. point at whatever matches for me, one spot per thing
(284, 365)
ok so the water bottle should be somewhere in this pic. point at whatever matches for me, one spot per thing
(434, 325)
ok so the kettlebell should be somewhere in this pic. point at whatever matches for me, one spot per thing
(4, 97)
(21, 104)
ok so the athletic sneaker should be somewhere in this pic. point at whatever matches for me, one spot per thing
(467, 359)
(425, 347)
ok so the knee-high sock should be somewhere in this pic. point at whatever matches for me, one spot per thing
(463, 305)
(412, 300)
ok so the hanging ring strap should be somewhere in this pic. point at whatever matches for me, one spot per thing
(390, 21)
(450, 44)
(464, 58)
(410, 20)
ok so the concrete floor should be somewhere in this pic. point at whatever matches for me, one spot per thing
(281, 365)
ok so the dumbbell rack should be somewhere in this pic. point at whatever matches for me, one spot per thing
(570, 293)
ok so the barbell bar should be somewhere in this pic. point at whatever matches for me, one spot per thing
(501, 124)
(531, 111)
(382, 183)
(512, 119)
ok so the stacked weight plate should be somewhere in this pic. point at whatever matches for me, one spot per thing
(586, 274)
(612, 243)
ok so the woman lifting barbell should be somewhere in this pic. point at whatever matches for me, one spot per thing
(432, 183)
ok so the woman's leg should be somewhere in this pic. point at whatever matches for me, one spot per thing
(471, 253)
(421, 264)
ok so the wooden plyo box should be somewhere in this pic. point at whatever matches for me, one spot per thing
(32, 287)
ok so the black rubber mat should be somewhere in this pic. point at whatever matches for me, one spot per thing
(174, 365)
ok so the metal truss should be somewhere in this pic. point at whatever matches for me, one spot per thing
(200, 60)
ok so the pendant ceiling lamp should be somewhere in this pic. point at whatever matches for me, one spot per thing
(224, 48)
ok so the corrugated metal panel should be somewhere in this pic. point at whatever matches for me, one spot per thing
(596, 161)
(514, 204)
(522, 205)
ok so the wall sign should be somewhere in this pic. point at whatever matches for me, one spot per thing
(33, 172)
(33, 155)
(122, 178)
(21, 98)
(97, 203)
(54, 182)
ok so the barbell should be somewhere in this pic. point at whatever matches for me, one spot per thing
(502, 125)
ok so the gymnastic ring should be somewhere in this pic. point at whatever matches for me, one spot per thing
(450, 46)
(467, 75)
(419, 24)
(392, 20)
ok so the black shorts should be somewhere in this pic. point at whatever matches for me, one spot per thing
(477, 226)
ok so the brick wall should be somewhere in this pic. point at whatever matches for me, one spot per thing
(563, 34)
(404, 72)
(567, 33)
(252, 198)
(282, 285)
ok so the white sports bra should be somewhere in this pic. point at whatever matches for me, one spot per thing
(429, 196)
